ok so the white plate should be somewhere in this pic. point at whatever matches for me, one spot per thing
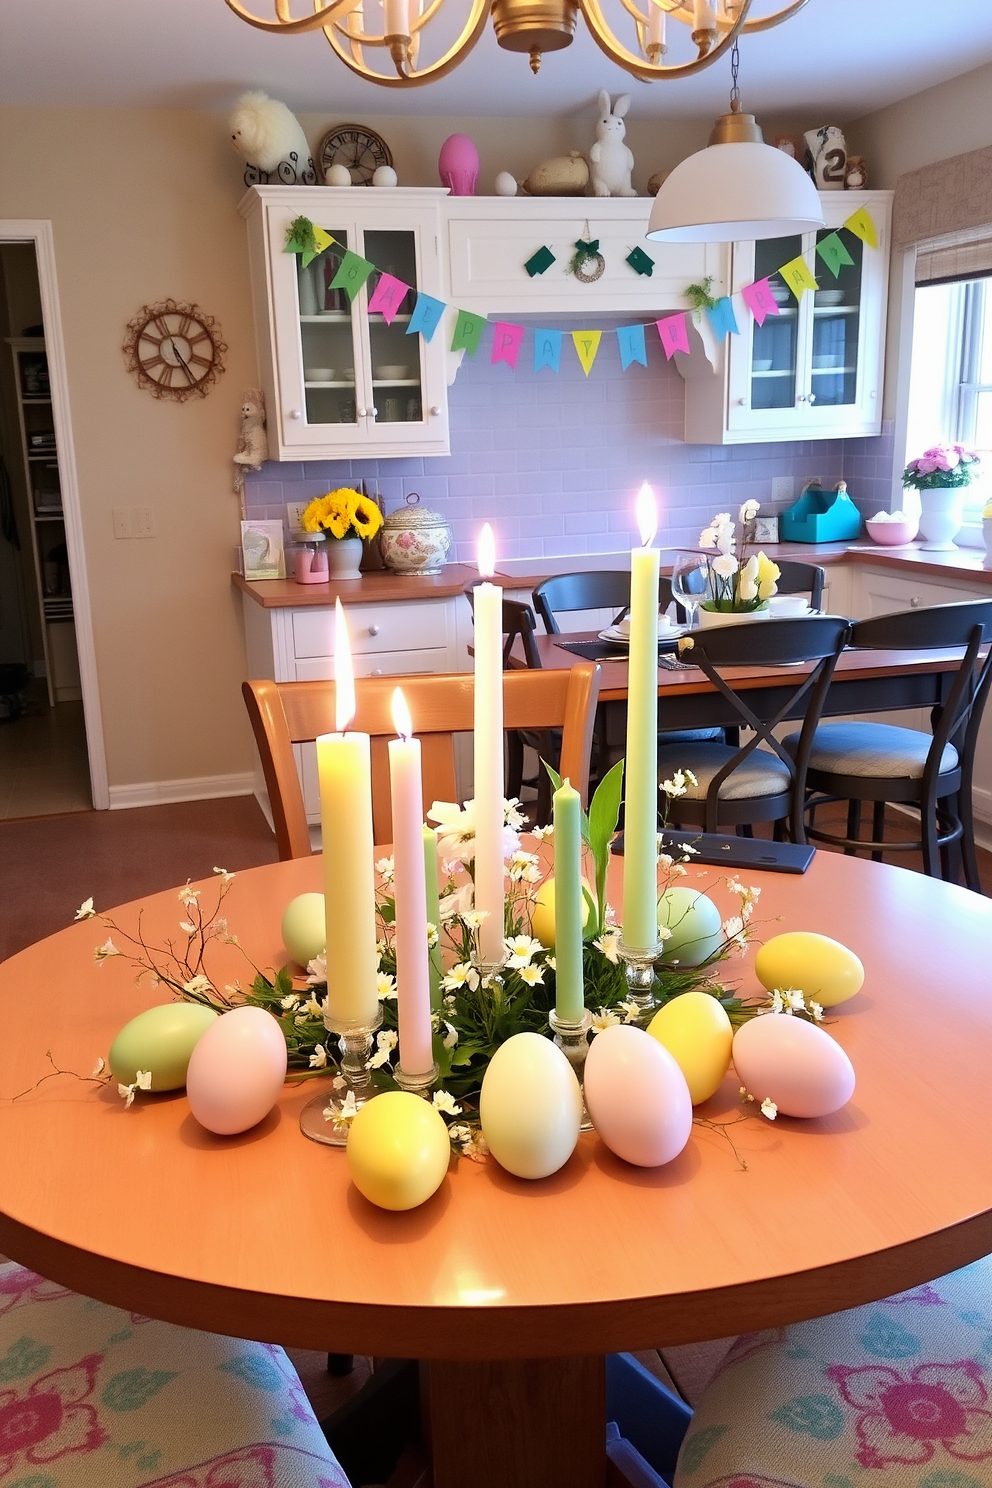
(622, 637)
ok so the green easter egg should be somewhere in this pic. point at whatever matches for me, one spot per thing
(303, 932)
(160, 1040)
(695, 925)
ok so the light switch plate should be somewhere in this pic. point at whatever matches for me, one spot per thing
(143, 521)
(121, 516)
(782, 488)
(294, 514)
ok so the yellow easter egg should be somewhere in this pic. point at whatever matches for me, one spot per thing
(303, 932)
(802, 960)
(398, 1150)
(696, 1031)
(542, 921)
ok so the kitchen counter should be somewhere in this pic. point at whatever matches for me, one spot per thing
(379, 587)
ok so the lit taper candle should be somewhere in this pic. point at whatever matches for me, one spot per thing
(640, 830)
(345, 772)
(569, 993)
(488, 749)
(412, 981)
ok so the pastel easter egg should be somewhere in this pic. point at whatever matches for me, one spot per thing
(236, 1071)
(542, 921)
(530, 1106)
(694, 923)
(696, 1031)
(303, 931)
(637, 1096)
(813, 964)
(398, 1150)
(160, 1041)
(793, 1063)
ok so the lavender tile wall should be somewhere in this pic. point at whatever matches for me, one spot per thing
(555, 461)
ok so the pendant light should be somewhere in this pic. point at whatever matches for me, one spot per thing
(737, 189)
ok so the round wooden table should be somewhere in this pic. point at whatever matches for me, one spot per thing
(515, 1290)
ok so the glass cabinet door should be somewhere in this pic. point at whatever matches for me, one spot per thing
(775, 344)
(397, 380)
(836, 327)
(327, 336)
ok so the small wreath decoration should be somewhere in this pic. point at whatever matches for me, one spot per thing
(587, 262)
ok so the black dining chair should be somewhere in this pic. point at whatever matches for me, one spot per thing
(930, 772)
(796, 577)
(757, 780)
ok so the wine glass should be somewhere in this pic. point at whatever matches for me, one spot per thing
(690, 583)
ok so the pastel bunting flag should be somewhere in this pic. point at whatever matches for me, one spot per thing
(586, 345)
(632, 347)
(468, 332)
(353, 270)
(547, 350)
(759, 300)
(674, 334)
(306, 238)
(722, 318)
(798, 276)
(388, 296)
(506, 343)
(831, 249)
(862, 225)
(426, 316)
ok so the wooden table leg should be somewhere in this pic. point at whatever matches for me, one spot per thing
(532, 1423)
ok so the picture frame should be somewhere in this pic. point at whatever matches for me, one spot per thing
(766, 529)
(264, 549)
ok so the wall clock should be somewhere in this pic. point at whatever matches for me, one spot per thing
(359, 148)
(174, 350)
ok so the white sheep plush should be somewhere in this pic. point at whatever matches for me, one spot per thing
(270, 138)
(610, 161)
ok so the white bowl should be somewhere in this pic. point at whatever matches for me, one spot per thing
(392, 372)
(781, 293)
(785, 606)
(319, 374)
(829, 297)
(763, 364)
(824, 363)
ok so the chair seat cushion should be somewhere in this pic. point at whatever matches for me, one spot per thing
(761, 774)
(896, 1394)
(690, 736)
(872, 750)
(93, 1397)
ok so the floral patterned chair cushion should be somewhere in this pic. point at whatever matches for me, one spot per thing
(897, 1393)
(92, 1397)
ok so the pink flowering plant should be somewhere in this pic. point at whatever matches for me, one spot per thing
(945, 465)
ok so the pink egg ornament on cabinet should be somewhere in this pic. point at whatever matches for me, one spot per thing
(793, 1064)
(458, 165)
(637, 1096)
(236, 1071)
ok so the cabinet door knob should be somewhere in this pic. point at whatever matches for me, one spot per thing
(812, 397)
(915, 601)
(296, 413)
(376, 672)
(435, 410)
(742, 402)
(363, 413)
(373, 630)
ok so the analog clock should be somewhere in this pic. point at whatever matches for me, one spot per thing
(358, 148)
(174, 350)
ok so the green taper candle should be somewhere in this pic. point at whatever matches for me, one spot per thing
(640, 821)
(433, 914)
(569, 992)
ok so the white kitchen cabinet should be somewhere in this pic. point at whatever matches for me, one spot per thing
(814, 370)
(339, 382)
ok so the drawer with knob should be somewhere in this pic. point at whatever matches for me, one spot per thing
(418, 626)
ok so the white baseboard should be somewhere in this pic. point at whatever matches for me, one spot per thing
(167, 792)
(982, 807)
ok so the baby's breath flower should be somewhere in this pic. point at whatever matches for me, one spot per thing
(816, 1010)
(290, 1002)
(318, 1059)
(385, 1044)
(542, 833)
(317, 971)
(198, 986)
(104, 952)
(188, 896)
(444, 1102)
(385, 869)
(342, 1116)
(746, 1094)
(98, 1069)
(451, 1037)
(314, 1009)
(142, 1081)
(85, 910)
(769, 1108)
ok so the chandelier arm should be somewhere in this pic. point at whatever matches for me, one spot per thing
(284, 24)
(765, 23)
(637, 66)
(685, 13)
(472, 30)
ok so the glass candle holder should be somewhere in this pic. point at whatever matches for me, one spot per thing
(572, 1038)
(323, 1119)
(638, 967)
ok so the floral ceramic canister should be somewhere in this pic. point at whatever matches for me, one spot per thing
(414, 539)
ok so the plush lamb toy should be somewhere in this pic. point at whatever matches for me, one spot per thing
(270, 139)
(253, 443)
(610, 161)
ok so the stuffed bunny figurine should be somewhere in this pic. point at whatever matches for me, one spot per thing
(610, 161)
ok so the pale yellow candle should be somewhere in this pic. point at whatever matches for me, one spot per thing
(640, 829)
(413, 998)
(344, 768)
(488, 753)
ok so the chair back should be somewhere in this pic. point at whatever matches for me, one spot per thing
(519, 623)
(286, 713)
(601, 589)
(796, 577)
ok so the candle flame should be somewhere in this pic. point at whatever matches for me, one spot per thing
(647, 514)
(344, 672)
(487, 552)
(402, 722)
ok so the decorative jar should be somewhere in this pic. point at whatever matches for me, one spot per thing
(414, 539)
(311, 559)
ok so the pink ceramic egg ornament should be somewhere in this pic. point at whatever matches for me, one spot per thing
(793, 1063)
(236, 1071)
(637, 1096)
(458, 165)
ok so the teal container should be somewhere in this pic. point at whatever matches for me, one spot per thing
(820, 516)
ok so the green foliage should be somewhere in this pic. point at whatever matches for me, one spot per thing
(699, 296)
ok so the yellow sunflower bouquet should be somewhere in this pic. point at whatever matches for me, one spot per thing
(343, 513)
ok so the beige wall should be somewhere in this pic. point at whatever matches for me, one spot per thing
(946, 120)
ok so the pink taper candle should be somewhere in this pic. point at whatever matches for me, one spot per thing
(413, 997)
(489, 870)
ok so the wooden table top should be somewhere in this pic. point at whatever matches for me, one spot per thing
(263, 1236)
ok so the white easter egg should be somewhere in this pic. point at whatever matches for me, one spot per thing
(236, 1071)
(793, 1063)
(530, 1106)
(505, 184)
(637, 1096)
(384, 175)
(337, 175)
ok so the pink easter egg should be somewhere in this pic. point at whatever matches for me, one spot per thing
(458, 165)
(793, 1063)
(235, 1076)
(637, 1096)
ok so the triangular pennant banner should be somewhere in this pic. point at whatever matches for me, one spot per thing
(674, 334)
(547, 350)
(863, 227)
(798, 276)
(722, 318)
(322, 239)
(759, 300)
(586, 345)
(305, 238)
(833, 253)
(353, 270)
(506, 343)
(468, 332)
(632, 347)
(388, 296)
(426, 316)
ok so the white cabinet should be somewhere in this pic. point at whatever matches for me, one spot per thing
(814, 370)
(338, 381)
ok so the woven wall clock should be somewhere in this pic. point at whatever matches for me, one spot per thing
(175, 350)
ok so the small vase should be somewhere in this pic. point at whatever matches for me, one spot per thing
(708, 619)
(309, 304)
(344, 554)
(940, 521)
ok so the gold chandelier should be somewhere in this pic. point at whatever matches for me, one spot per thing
(390, 55)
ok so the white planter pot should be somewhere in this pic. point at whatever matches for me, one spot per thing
(708, 619)
(940, 521)
(344, 554)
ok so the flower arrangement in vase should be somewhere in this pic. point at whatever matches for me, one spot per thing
(738, 583)
(347, 519)
(940, 474)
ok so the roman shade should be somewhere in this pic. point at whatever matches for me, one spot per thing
(944, 211)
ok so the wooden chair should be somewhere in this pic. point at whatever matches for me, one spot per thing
(796, 577)
(600, 589)
(286, 713)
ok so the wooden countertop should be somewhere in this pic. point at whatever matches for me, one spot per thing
(371, 588)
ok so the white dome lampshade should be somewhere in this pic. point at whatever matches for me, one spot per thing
(736, 190)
